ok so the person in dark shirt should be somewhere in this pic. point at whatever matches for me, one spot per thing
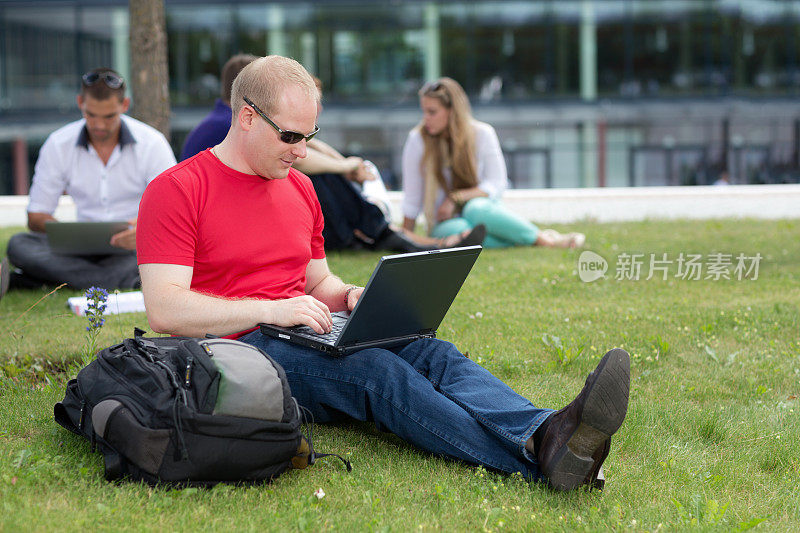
(214, 127)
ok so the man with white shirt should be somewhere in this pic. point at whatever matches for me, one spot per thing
(104, 161)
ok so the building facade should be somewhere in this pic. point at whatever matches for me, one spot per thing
(582, 92)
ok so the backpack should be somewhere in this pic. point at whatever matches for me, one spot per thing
(187, 411)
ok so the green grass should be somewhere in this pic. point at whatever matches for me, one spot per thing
(711, 441)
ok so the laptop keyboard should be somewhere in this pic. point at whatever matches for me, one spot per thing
(329, 338)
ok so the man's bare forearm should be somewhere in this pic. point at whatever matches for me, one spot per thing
(173, 307)
(330, 291)
(317, 162)
(36, 221)
(179, 311)
(325, 148)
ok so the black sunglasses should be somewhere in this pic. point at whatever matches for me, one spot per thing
(288, 137)
(113, 81)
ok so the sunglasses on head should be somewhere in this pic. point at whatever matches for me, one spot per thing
(288, 137)
(431, 86)
(436, 89)
(113, 81)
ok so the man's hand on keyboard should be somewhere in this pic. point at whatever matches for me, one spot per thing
(301, 310)
(353, 296)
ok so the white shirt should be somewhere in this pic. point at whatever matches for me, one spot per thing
(492, 174)
(69, 163)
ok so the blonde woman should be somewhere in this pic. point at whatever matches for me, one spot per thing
(454, 173)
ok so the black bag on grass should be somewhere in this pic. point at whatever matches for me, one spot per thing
(187, 411)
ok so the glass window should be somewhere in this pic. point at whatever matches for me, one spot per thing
(662, 48)
(45, 55)
(364, 55)
(40, 62)
(767, 49)
(200, 42)
(698, 48)
(512, 50)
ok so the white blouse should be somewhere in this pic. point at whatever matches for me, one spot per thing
(492, 174)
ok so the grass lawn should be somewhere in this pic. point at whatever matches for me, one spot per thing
(711, 441)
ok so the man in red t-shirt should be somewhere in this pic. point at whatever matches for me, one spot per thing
(233, 237)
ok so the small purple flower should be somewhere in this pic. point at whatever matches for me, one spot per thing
(95, 308)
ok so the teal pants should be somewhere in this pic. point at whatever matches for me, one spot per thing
(503, 228)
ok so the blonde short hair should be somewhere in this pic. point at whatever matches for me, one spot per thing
(264, 80)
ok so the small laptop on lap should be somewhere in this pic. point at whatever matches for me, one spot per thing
(406, 298)
(84, 238)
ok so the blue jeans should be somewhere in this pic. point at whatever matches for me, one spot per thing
(427, 393)
(503, 228)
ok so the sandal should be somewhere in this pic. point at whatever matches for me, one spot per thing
(576, 240)
(561, 240)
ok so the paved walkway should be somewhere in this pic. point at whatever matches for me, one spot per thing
(611, 204)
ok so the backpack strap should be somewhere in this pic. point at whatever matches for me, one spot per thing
(312, 455)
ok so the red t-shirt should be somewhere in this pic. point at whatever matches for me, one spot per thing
(245, 236)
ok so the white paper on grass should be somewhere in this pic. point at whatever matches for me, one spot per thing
(123, 302)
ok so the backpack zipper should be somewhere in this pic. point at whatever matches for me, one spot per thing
(119, 378)
(174, 381)
(187, 377)
(179, 394)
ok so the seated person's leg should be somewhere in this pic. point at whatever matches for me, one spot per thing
(376, 385)
(351, 220)
(513, 418)
(375, 191)
(436, 399)
(31, 253)
(500, 222)
(119, 271)
(345, 210)
(492, 241)
(569, 445)
(453, 226)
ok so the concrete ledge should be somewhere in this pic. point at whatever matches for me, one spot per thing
(611, 204)
(618, 204)
(13, 210)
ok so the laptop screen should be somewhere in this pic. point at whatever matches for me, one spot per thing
(409, 294)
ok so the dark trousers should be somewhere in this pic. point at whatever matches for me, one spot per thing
(345, 210)
(31, 253)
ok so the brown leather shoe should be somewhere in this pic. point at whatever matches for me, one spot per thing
(578, 437)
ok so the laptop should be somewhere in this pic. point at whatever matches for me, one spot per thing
(84, 238)
(406, 298)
